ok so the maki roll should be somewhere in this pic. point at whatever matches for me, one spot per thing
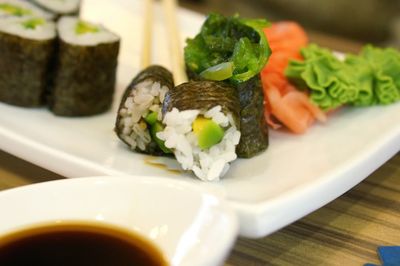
(19, 8)
(254, 131)
(59, 8)
(139, 115)
(26, 50)
(202, 127)
(234, 50)
(85, 69)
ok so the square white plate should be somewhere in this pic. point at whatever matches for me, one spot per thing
(295, 176)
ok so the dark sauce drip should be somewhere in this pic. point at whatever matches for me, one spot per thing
(77, 244)
(152, 161)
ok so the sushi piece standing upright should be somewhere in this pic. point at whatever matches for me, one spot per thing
(26, 50)
(139, 116)
(19, 8)
(85, 69)
(202, 127)
(59, 8)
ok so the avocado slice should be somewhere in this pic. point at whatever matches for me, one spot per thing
(207, 131)
(155, 128)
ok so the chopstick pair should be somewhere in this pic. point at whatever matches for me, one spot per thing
(169, 7)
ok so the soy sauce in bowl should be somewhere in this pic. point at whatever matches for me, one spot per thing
(77, 244)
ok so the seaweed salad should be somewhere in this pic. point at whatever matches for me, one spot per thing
(234, 50)
(231, 48)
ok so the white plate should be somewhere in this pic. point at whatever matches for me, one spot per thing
(297, 174)
(202, 234)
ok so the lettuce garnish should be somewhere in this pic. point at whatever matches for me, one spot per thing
(329, 81)
(378, 74)
(370, 78)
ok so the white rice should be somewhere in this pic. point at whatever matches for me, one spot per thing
(147, 96)
(60, 6)
(14, 26)
(210, 164)
(33, 10)
(66, 30)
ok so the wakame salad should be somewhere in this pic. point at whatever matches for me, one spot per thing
(231, 48)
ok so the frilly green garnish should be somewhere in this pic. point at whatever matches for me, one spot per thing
(362, 80)
(378, 74)
(329, 80)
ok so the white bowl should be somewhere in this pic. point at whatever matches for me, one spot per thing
(189, 225)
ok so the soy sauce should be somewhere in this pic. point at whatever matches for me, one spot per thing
(77, 244)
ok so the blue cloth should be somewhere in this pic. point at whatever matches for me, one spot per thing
(389, 255)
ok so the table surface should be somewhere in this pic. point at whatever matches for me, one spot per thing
(345, 232)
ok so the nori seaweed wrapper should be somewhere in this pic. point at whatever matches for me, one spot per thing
(23, 69)
(155, 73)
(204, 95)
(84, 79)
(253, 128)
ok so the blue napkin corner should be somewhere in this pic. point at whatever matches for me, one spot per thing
(389, 255)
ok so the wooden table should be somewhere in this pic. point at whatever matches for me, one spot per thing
(345, 232)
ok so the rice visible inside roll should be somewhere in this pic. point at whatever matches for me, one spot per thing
(180, 135)
(29, 28)
(145, 100)
(59, 6)
(75, 31)
(19, 8)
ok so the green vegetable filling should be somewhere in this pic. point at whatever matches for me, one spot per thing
(155, 127)
(151, 118)
(219, 72)
(15, 10)
(228, 48)
(208, 132)
(33, 23)
(85, 27)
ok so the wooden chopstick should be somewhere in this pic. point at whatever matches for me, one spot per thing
(178, 66)
(147, 34)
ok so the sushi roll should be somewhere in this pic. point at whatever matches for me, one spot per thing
(26, 50)
(254, 130)
(19, 8)
(202, 127)
(139, 116)
(252, 122)
(59, 8)
(85, 69)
